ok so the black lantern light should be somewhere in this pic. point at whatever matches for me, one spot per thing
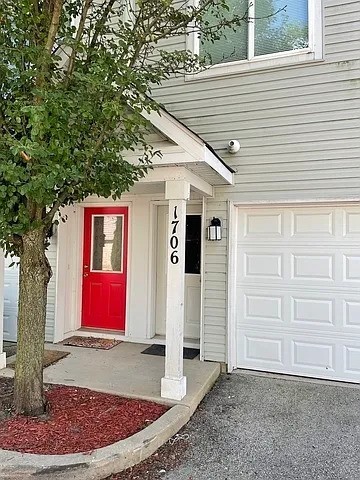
(214, 230)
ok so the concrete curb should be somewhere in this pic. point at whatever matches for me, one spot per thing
(101, 462)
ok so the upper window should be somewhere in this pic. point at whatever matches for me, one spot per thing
(277, 32)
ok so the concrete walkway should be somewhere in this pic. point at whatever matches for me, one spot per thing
(269, 428)
(124, 370)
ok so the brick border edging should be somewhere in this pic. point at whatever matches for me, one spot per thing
(101, 462)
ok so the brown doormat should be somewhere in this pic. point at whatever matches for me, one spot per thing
(50, 357)
(90, 342)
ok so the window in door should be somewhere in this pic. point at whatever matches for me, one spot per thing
(107, 243)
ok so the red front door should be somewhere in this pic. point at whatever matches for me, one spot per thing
(104, 267)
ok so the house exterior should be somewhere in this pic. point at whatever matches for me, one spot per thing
(279, 291)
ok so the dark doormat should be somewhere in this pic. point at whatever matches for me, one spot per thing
(91, 342)
(159, 350)
(50, 357)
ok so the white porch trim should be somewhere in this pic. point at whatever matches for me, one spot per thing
(165, 174)
(198, 152)
(173, 384)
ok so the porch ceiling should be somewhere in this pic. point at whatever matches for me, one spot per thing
(155, 188)
(163, 174)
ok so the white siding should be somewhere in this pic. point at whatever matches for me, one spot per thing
(11, 289)
(299, 132)
(50, 311)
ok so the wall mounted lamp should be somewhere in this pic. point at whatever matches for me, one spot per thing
(214, 229)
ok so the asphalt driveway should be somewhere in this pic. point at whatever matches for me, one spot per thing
(260, 427)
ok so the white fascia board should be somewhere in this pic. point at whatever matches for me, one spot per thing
(169, 157)
(218, 166)
(162, 174)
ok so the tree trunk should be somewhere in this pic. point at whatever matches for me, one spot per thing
(35, 273)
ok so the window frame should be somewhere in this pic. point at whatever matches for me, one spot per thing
(292, 57)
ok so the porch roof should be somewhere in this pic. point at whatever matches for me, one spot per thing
(181, 147)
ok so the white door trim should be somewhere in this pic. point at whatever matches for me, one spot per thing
(151, 320)
(231, 286)
(202, 278)
(71, 294)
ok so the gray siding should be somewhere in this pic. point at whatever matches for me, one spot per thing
(215, 286)
(299, 132)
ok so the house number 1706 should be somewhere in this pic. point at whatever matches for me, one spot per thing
(174, 239)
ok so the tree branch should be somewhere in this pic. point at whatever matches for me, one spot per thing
(54, 25)
(78, 37)
(25, 156)
(55, 207)
(100, 24)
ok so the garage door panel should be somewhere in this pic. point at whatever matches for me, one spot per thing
(351, 224)
(285, 223)
(300, 225)
(318, 267)
(314, 356)
(298, 222)
(313, 223)
(310, 310)
(352, 360)
(263, 264)
(351, 267)
(299, 265)
(263, 307)
(262, 225)
(297, 291)
(301, 310)
(351, 313)
(258, 349)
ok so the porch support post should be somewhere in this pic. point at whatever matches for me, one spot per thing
(173, 384)
(2, 274)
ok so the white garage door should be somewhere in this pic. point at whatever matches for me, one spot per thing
(298, 291)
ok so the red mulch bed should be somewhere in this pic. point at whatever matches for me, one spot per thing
(80, 420)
